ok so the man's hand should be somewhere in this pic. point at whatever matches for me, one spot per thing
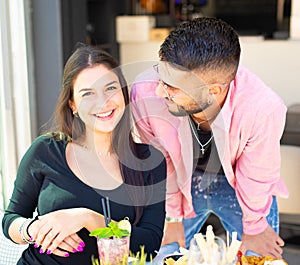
(267, 243)
(174, 232)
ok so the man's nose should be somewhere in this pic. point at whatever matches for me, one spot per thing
(160, 91)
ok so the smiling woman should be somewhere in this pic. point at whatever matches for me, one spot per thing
(88, 155)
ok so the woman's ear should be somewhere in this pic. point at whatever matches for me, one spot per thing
(72, 105)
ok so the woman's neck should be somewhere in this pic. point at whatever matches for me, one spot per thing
(100, 143)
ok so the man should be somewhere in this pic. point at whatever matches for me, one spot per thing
(219, 127)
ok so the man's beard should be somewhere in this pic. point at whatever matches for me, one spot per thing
(180, 111)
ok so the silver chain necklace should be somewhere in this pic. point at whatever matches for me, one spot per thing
(196, 136)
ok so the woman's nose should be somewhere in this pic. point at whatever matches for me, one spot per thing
(102, 99)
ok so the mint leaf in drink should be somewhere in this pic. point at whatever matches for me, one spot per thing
(112, 230)
(104, 232)
(120, 233)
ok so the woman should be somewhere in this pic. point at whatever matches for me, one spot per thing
(89, 155)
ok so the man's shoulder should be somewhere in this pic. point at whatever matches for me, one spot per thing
(145, 83)
(249, 88)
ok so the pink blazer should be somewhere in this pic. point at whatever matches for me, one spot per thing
(247, 134)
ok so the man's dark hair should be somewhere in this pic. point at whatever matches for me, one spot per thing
(203, 43)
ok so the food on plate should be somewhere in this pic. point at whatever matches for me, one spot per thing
(244, 260)
(267, 260)
(206, 245)
(182, 260)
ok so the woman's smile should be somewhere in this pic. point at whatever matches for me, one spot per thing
(103, 116)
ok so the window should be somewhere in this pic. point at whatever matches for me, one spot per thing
(15, 118)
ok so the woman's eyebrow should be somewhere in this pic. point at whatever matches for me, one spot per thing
(84, 89)
(111, 83)
(88, 89)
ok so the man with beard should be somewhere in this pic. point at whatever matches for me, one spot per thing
(219, 126)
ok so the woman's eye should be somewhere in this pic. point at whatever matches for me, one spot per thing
(87, 94)
(111, 88)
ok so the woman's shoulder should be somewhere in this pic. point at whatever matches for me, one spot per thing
(49, 140)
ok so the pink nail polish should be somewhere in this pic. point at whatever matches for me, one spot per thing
(67, 255)
(41, 251)
(80, 248)
(82, 244)
(35, 245)
(74, 250)
(48, 252)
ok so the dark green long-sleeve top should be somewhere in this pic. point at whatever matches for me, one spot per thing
(46, 183)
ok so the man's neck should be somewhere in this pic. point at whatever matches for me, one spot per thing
(205, 118)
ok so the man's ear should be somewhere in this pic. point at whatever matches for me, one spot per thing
(216, 89)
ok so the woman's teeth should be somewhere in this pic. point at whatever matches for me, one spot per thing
(105, 114)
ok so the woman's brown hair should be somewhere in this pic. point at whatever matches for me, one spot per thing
(69, 126)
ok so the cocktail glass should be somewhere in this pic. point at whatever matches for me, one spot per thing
(113, 251)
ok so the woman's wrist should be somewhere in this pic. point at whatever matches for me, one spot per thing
(94, 220)
(25, 237)
(29, 225)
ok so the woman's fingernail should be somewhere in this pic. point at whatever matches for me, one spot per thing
(41, 251)
(31, 239)
(82, 244)
(74, 250)
(67, 255)
(80, 248)
(35, 245)
(48, 252)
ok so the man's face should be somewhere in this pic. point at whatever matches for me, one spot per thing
(184, 91)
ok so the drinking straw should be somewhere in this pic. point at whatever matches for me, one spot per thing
(108, 210)
(104, 211)
(227, 239)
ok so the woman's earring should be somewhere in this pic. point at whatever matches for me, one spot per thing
(75, 114)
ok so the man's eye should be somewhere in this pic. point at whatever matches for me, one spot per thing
(170, 88)
(173, 89)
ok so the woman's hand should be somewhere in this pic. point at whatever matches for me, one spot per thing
(70, 244)
(55, 232)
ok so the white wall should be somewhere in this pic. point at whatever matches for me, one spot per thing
(277, 62)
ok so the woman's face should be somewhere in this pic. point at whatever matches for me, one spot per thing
(98, 99)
